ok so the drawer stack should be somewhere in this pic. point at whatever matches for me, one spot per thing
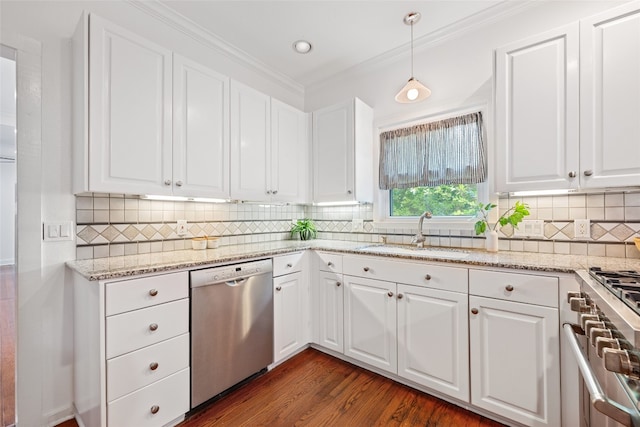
(147, 350)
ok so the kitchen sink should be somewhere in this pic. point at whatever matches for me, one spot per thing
(413, 251)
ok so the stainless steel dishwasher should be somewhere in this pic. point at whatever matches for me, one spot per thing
(231, 326)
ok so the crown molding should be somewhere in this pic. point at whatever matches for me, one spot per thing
(188, 27)
(456, 30)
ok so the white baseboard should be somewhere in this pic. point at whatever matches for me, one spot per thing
(60, 415)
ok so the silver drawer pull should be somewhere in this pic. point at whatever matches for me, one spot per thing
(390, 293)
(289, 265)
(427, 277)
(338, 284)
(366, 269)
(153, 292)
(153, 326)
(509, 288)
(330, 264)
(278, 288)
(153, 366)
(155, 409)
(599, 400)
(474, 311)
(400, 296)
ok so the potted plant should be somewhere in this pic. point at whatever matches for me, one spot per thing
(305, 228)
(512, 216)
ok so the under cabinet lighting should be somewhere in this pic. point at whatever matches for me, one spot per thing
(183, 199)
(541, 192)
(352, 203)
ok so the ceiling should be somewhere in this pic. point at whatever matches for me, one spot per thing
(343, 33)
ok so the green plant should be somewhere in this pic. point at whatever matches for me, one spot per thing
(512, 216)
(305, 228)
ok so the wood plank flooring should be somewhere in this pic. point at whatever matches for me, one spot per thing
(315, 389)
(7, 345)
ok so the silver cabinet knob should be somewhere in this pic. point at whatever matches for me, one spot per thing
(155, 409)
(153, 292)
(275, 192)
(366, 269)
(400, 296)
(349, 191)
(390, 293)
(268, 191)
(509, 288)
(588, 172)
(330, 264)
(427, 277)
(289, 265)
(474, 311)
(167, 182)
(278, 288)
(572, 174)
(153, 327)
(153, 366)
(179, 183)
(338, 284)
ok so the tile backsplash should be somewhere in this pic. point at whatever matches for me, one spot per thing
(114, 224)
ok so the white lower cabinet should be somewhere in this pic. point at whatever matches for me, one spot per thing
(370, 322)
(433, 346)
(514, 348)
(290, 305)
(329, 311)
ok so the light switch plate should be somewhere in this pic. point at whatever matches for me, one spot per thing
(57, 231)
(530, 228)
(582, 228)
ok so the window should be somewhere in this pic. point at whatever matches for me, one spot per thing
(438, 166)
(445, 200)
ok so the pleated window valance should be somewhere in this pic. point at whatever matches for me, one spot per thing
(450, 151)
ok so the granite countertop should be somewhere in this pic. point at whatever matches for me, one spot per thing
(131, 265)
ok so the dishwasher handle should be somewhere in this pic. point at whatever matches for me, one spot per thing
(237, 282)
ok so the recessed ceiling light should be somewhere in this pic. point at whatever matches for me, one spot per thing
(302, 46)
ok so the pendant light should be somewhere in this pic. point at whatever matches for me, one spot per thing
(413, 91)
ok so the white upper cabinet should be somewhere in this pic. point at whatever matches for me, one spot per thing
(250, 134)
(200, 130)
(289, 167)
(343, 153)
(610, 98)
(537, 117)
(129, 142)
(268, 148)
(567, 106)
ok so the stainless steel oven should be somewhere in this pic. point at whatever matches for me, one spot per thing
(606, 345)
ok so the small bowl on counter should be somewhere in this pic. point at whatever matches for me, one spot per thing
(636, 240)
(213, 242)
(199, 243)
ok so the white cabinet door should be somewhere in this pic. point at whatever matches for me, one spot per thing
(515, 364)
(333, 153)
(609, 91)
(250, 134)
(433, 346)
(537, 116)
(129, 112)
(370, 322)
(289, 164)
(200, 130)
(329, 311)
(289, 315)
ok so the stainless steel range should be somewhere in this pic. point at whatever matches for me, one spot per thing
(606, 343)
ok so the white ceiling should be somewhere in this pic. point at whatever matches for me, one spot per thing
(343, 33)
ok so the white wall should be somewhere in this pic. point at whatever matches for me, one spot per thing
(7, 213)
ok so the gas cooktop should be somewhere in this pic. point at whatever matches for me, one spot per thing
(624, 284)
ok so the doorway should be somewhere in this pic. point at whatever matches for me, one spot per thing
(8, 210)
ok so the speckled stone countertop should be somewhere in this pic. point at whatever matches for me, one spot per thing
(132, 265)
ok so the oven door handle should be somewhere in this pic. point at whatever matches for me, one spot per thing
(599, 400)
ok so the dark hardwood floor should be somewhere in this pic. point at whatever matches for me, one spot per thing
(7, 345)
(314, 389)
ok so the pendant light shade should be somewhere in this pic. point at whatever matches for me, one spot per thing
(413, 91)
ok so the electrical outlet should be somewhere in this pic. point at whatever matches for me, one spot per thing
(357, 225)
(181, 229)
(582, 228)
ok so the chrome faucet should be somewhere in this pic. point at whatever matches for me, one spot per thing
(419, 238)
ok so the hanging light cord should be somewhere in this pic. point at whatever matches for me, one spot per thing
(411, 49)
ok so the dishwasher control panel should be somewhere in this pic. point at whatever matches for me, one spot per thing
(229, 272)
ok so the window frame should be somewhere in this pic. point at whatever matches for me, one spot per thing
(382, 213)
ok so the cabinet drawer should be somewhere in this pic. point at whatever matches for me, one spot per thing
(131, 371)
(329, 262)
(286, 264)
(127, 295)
(527, 288)
(133, 330)
(410, 273)
(170, 395)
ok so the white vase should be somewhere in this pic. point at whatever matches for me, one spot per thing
(491, 241)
